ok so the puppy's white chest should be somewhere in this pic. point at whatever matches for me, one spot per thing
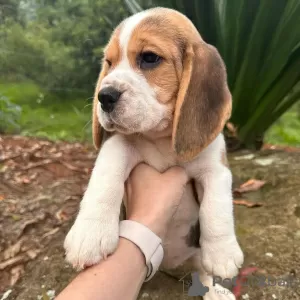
(158, 154)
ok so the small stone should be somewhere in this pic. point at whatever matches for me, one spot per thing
(264, 161)
(46, 258)
(245, 157)
(269, 254)
(145, 295)
(51, 294)
(297, 234)
(245, 297)
(6, 294)
(274, 296)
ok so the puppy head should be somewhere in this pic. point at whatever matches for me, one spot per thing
(158, 74)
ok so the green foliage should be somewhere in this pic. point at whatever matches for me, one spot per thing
(9, 115)
(48, 115)
(50, 56)
(286, 131)
(58, 44)
(9, 9)
(259, 41)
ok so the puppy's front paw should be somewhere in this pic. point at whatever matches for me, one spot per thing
(222, 257)
(91, 240)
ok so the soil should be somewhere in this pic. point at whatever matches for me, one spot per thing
(41, 184)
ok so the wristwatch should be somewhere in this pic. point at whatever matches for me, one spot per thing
(148, 242)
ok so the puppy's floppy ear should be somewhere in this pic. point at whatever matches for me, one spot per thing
(98, 132)
(204, 102)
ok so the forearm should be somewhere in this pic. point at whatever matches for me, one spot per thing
(216, 210)
(118, 277)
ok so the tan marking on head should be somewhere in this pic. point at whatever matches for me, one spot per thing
(204, 101)
(191, 79)
(156, 34)
(112, 53)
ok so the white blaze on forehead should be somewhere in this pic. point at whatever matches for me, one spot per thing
(123, 72)
(127, 29)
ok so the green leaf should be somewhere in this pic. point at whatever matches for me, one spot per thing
(266, 21)
(259, 41)
(275, 95)
(133, 6)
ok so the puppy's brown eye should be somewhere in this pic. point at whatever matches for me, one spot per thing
(108, 62)
(148, 60)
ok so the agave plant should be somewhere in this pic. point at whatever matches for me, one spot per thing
(259, 41)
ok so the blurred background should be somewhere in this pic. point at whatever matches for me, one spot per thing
(50, 56)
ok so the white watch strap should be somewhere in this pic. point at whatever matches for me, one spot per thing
(148, 242)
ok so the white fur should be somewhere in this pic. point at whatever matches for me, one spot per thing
(128, 27)
(94, 234)
(216, 292)
(137, 109)
(220, 251)
(100, 207)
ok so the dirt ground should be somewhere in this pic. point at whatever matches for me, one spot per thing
(41, 184)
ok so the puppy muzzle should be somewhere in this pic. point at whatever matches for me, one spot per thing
(108, 97)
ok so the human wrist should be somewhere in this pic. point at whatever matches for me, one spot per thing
(153, 223)
(149, 243)
(123, 242)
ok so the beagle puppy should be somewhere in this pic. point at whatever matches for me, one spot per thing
(162, 98)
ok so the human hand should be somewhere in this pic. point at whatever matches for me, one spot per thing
(153, 197)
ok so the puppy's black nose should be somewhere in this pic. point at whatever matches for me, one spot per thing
(108, 98)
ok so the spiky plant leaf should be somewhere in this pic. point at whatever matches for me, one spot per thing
(259, 41)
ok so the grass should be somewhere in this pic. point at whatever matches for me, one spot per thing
(286, 131)
(49, 116)
(68, 118)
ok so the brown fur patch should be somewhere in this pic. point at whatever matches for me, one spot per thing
(112, 53)
(157, 34)
(191, 79)
(97, 129)
(193, 237)
(204, 101)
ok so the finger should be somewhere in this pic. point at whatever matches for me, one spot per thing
(143, 170)
(177, 175)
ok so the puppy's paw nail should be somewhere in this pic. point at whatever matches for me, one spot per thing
(222, 258)
(90, 241)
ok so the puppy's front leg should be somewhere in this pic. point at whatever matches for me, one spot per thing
(221, 254)
(95, 233)
(220, 251)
